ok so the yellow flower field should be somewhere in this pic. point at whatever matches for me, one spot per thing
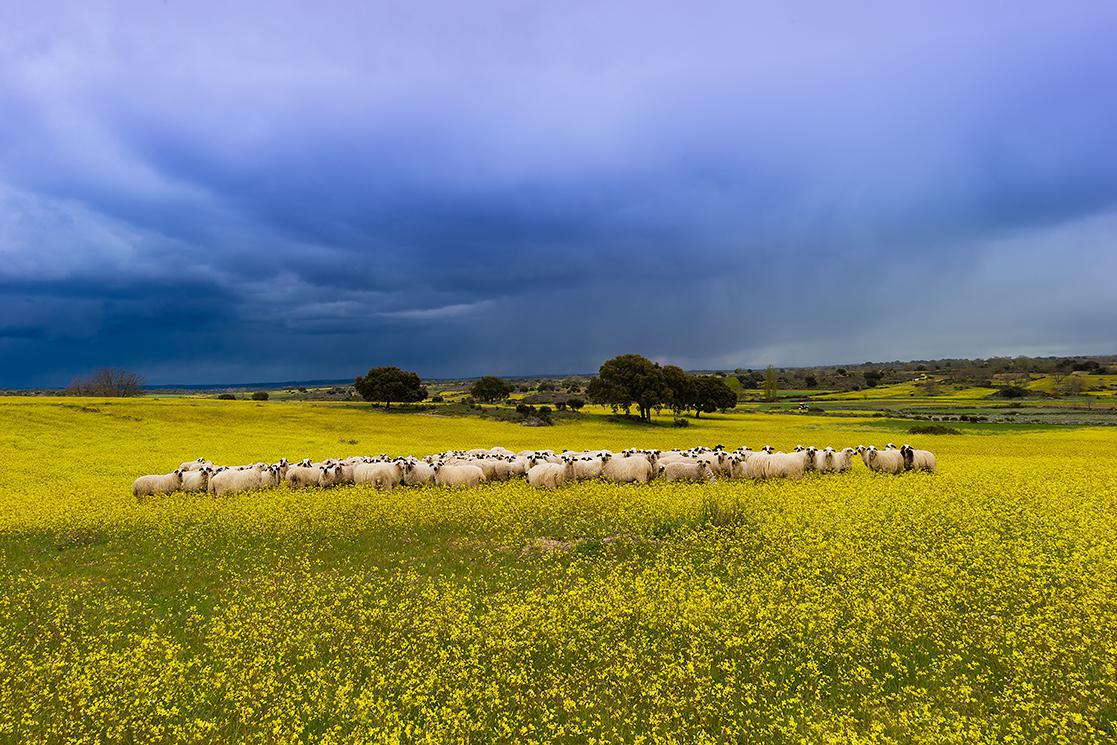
(979, 603)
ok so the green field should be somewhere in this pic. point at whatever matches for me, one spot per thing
(979, 603)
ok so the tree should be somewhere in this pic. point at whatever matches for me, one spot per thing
(630, 380)
(108, 381)
(260, 396)
(390, 384)
(810, 381)
(490, 389)
(771, 383)
(711, 394)
(681, 387)
(872, 378)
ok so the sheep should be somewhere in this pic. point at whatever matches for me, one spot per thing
(699, 472)
(233, 481)
(716, 459)
(270, 477)
(197, 481)
(378, 475)
(416, 472)
(809, 455)
(332, 473)
(345, 476)
(195, 465)
(767, 464)
(843, 460)
(494, 469)
(458, 475)
(154, 484)
(788, 465)
(302, 476)
(517, 466)
(917, 460)
(883, 461)
(756, 467)
(630, 468)
(550, 475)
(281, 468)
(588, 467)
(738, 464)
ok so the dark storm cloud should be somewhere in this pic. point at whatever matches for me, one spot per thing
(207, 193)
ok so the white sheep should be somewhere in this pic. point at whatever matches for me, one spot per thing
(698, 472)
(588, 467)
(379, 475)
(634, 467)
(809, 456)
(767, 464)
(844, 460)
(718, 460)
(464, 475)
(153, 484)
(494, 469)
(197, 481)
(416, 472)
(332, 474)
(918, 460)
(883, 461)
(195, 465)
(233, 481)
(550, 475)
(302, 476)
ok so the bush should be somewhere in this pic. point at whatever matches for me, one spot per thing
(575, 404)
(525, 409)
(680, 422)
(226, 397)
(437, 399)
(933, 429)
(260, 396)
(1011, 392)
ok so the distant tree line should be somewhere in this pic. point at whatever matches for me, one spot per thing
(631, 381)
(108, 381)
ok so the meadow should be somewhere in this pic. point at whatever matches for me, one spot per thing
(978, 603)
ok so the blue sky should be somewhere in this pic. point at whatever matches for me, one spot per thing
(208, 192)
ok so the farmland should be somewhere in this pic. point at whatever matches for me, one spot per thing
(976, 603)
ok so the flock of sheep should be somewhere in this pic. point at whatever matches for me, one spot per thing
(542, 468)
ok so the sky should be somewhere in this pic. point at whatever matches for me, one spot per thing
(210, 192)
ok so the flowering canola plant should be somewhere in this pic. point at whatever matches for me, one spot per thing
(978, 603)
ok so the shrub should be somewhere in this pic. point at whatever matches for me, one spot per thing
(680, 422)
(227, 397)
(437, 399)
(933, 429)
(260, 396)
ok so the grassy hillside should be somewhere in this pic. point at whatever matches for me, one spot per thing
(977, 603)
